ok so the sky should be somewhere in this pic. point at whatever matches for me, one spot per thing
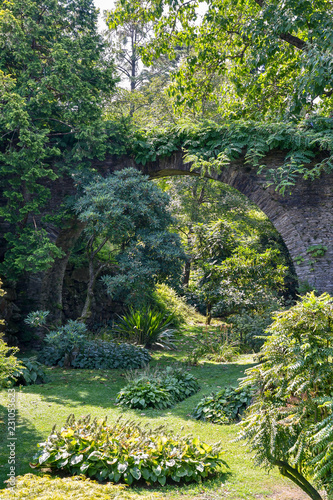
(103, 5)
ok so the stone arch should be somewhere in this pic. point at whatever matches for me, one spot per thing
(303, 217)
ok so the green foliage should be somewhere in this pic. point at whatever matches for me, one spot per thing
(104, 355)
(30, 486)
(304, 287)
(146, 327)
(290, 423)
(9, 364)
(65, 343)
(69, 346)
(141, 394)
(167, 300)
(52, 82)
(229, 243)
(225, 406)
(31, 372)
(98, 355)
(248, 280)
(253, 140)
(37, 318)
(157, 389)
(272, 58)
(124, 452)
(316, 250)
(215, 346)
(131, 213)
(180, 383)
(249, 328)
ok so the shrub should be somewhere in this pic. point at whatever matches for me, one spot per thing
(225, 406)
(215, 346)
(37, 319)
(158, 389)
(180, 383)
(290, 422)
(32, 372)
(99, 354)
(147, 327)
(249, 328)
(64, 343)
(9, 364)
(124, 452)
(166, 300)
(108, 355)
(140, 394)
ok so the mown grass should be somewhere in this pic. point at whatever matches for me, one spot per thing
(93, 392)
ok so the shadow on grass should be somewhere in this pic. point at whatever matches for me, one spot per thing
(25, 446)
(98, 388)
(211, 483)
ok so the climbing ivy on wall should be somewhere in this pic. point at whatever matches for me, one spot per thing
(210, 146)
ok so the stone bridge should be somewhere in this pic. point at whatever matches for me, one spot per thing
(304, 219)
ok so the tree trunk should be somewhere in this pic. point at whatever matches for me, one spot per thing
(52, 285)
(187, 273)
(208, 313)
(93, 275)
(293, 474)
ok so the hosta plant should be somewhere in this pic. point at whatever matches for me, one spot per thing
(126, 452)
(32, 372)
(157, 389)
(225, 406)
(142, 394)
(180, 383)
(98, 354)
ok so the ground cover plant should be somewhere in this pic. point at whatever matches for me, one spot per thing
(125, 452)
(225, 406)
(32, 372)
(157, 389)
(70, 346)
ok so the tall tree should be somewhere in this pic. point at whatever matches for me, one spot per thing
(129, 214)
(128, 32)
(275, 56)
(52, 82)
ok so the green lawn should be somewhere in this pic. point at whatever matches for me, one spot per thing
(93, 392)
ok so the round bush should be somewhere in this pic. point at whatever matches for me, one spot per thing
(225, 406)
(125, 452)
(145, 394)
(157, 389)
(98, 354)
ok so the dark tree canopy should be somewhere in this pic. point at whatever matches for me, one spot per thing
(52, 81)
